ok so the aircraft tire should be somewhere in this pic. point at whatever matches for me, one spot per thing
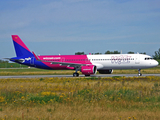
(75, 74)
(139, 74)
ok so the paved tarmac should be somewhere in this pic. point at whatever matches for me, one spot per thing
(98, 75)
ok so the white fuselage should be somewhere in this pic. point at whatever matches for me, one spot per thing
(122, 61)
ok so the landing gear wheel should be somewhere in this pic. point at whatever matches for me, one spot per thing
(139, 72)
(75, 74)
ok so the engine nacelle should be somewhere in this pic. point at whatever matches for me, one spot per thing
(105, 71)
(89, 69)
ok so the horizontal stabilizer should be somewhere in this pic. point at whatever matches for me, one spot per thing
(15, 60)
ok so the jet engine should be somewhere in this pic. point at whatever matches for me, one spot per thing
(105, 71)
(89, 69)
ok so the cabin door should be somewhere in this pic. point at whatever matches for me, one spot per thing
(32, 61)
(62, 59)
(137, 59)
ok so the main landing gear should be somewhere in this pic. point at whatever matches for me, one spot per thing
(75, 74)
(139, 72)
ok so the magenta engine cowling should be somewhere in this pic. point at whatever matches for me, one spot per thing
(89, 69)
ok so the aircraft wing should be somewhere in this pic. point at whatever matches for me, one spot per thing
(65, 63)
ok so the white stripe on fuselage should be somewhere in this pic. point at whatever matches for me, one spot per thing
(122, 61)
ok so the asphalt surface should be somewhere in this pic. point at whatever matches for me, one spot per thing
(98, 75)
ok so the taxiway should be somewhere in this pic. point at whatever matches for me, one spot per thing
(98, 75)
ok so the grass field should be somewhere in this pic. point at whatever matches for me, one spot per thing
(11, 65)
(35, 71)
(115, 98)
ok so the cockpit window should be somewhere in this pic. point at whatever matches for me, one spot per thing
(148, 58)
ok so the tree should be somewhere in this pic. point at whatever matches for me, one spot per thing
(143, 53)
(157, 54)
(116, 52)
(130, 52)
(79, 53)
(110, 52)
(4, 61)
(97, 53)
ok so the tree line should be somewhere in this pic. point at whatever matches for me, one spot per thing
(155, 56)
(107, 52)
(4, 61)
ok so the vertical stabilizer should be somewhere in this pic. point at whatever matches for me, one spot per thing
(20, 48)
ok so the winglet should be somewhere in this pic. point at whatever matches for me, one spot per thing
(37, 58)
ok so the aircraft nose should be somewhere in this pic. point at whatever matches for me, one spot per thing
(156, 63)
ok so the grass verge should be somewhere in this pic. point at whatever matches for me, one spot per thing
(80, 98)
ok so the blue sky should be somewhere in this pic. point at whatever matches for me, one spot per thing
(51, 27)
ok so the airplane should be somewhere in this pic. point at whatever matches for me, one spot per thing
(87, 64)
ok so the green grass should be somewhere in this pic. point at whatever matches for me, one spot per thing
(11, 65)
(33, 71)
